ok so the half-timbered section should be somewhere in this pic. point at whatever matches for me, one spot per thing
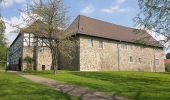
(15, 53)
(27, 45)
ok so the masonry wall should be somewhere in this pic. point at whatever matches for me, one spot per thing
(43, 57)
(27, 51)
(116, 56)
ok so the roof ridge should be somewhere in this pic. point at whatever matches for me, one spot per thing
(78, 23)
(107, 22)
(93, 27)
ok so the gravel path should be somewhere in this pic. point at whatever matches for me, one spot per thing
(83, 93)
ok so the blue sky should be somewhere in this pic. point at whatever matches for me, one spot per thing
(119, 12)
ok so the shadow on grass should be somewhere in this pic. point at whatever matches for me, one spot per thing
(136, 86)
(13, 87)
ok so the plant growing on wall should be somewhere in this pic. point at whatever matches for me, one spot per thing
(29, 62)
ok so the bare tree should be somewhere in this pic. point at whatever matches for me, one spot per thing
(154, 15)
(50, 21)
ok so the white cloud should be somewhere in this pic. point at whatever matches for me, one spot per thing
(155, 35)
(12, 26)
(15, 23)
(158, 37)
(120, 1)
(8, 3)
(114, 9)
(88, 9)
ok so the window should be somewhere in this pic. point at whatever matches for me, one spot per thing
(130, 59)
(140, 60)
(100, 43)
(156, 61)
(43, 67)
(90, 42)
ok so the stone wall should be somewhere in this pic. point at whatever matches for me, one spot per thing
(44, 57)
(116, 56)
(27, 51)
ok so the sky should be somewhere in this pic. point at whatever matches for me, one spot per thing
(119, 12)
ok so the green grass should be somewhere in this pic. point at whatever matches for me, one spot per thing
(133, 85)
(14, 87)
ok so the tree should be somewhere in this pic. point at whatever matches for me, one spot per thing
(3, 47)
(51, 18)
(154, 15)
(2, 30)
(168, 56)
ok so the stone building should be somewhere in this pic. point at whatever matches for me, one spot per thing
(102, 46)
(24, 46)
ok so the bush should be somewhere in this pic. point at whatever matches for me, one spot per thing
(168, 56)
(29, 62)
(167, 67)
(28, 69)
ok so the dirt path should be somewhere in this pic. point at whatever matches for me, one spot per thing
(83, 93)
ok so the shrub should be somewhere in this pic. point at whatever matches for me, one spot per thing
(29, 62)
(28, 69)
(167, 67)
(168, 56)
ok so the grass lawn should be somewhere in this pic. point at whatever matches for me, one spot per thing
(14, 87)
(134, 85)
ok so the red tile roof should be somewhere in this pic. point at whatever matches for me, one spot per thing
(166, 61)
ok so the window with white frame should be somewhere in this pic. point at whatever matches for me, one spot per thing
(130, 59)
(156, 61)
(100, 43)
(90, 42)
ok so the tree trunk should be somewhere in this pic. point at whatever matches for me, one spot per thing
(35, 53)
(54, 65)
